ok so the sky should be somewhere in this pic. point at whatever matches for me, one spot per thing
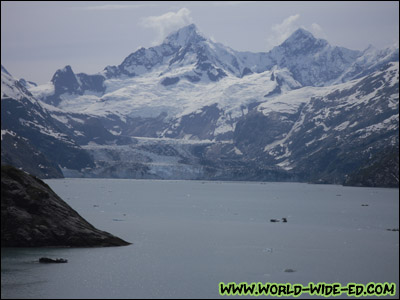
(37, 38)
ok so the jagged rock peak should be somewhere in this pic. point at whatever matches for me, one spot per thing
(67, 68)
(303, 39)
(184, 36)
(65, 80)
(64, 72)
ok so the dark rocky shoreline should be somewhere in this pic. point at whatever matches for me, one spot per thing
(32, 215)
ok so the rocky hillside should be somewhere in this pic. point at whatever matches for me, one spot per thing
(32, 215)
(382, 170)
(31, 138)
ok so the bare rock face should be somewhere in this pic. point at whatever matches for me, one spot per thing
(32, 215)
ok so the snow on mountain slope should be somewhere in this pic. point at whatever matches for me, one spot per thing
(257, 115)
(144, 96)
(313, 62)
(42, 91)
(189, 71)
(285, 131)
(371, 60)
(36, 116)
(354, 120)
(12, 88)
(31, 138)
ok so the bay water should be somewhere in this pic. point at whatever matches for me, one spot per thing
(188, 236)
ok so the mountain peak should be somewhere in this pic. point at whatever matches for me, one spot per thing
(302, 41)
(184, 36)
(299, 36)
(66, 69)
(64, 80)
(302, 32)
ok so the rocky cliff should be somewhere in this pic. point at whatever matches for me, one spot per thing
(32, 215)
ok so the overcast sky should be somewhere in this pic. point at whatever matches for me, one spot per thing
(37, 38)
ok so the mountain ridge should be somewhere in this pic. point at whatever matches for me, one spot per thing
(285, 111)
(188, 46)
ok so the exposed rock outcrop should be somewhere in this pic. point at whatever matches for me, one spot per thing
(32, 215)
(382, 170)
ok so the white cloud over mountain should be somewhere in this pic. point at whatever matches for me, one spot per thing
(168, 22)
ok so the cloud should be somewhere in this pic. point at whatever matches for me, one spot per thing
(280, 32)
(317, 31)
(168, 22)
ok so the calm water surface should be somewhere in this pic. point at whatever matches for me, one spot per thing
(190, 235)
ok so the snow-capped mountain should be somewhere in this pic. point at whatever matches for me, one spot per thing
(335, 129)
(313, 62)
(184, 55)
(65, 81)
(370, 60)
(213, 112)
(30, 137)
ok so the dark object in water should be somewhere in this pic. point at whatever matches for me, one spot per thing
(394, 229)
(50, 260)
(284, 220)
(274, 220)
(289, 270)
(364, 204)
